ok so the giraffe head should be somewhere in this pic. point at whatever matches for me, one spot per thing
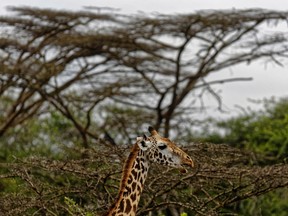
(163, 151)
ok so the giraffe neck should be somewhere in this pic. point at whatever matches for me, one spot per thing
(133, 178)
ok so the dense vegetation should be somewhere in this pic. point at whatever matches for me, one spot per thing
(76, 88)
(262, 131)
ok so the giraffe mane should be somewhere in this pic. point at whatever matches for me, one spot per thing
(128, 166)
(125, 174)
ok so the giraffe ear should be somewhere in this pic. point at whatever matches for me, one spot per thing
(152, 131)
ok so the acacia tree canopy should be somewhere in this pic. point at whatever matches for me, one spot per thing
(153, 62)
(109, 73)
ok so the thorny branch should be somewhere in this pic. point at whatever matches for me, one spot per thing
(222, 178)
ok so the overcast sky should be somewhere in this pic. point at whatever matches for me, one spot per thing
(268, 81)
(164, 6)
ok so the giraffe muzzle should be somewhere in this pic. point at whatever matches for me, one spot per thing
(187, 163)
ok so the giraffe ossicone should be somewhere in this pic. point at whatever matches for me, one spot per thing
(146, 150)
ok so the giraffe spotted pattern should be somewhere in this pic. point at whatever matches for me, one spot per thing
(153, 149)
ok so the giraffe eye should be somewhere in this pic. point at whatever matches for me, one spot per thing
(162, 147)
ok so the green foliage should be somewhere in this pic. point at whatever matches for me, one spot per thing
(42, 136)
(272, 204)
(264, 132)
(74, 209)
(10, 185)
(261, 131)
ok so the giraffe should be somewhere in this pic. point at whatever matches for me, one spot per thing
(146, 150)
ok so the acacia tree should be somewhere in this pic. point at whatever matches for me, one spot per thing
(152, 62)
(108, 72)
